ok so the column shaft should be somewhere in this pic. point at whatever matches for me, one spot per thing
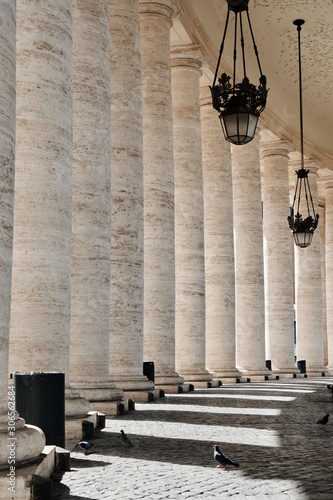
(126, 314)
(189, 234)
(159, 240)
(40, 319)
(91, 233)
(219, 245)
(249, 265)
(308, 287)
(279, 302)
(29, 441)
(329, 269)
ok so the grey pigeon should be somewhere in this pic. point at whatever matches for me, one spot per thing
(85, 445)
(125, 439)
(323, 420)
(222, 459)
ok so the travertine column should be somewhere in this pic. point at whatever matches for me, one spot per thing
(189, 232)
(329, 268)
(279, 301)
(126, 314)
(40, 319)
(29, 441)
(219, 245)
(90, 301)
(322, 232)
(249, 262)
(309, 313)
(159, 241)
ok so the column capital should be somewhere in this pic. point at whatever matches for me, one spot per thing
(166, 8)
(278, 147)
(309, 164)
(327, 181)
(187, 56)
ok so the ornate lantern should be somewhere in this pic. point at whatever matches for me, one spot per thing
(239, 104)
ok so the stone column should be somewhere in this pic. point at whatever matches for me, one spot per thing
(29, 440)
(189, 232)
(41, 295)
(219, 245)
(308, 288)
(126, 315)
(329, 268)
(322, 232)
(90, 290)
(279, 301)
(159, 239)
(249, 262)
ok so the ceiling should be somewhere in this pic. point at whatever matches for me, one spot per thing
(203, 21)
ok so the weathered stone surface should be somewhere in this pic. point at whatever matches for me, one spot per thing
(249, 262)
(189, 233)
(279, 292)
(329, 269)
(159, 240)
(91, 231)
(126, 310)
(40, 316)
(219, 244)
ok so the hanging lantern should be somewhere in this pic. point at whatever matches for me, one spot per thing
(302, 227)
(239, 104)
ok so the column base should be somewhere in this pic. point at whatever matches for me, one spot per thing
(132, 383)
(196, 377)
(98, 391)
(228, 376)
(256, 375)
(145, 396)
(169, 382)
(317, 371)
(27, 443)
(289, 372)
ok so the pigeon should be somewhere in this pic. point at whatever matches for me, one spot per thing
(85, 445)
(323, 420)
(125, 439)
(222, 459)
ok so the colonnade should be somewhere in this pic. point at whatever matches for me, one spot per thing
(138, 233)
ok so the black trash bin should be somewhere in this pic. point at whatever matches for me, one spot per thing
(269, 364)
(301, 365)
(40, 400)
(149, 370)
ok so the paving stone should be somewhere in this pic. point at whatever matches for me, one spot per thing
(283, 453)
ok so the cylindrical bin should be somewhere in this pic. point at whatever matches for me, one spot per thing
(301, 365)
(149, 370)
(40, 400)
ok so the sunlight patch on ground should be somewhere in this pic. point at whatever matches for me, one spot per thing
(209, 409)
(178, 430)
(265, 389)
(233, 396)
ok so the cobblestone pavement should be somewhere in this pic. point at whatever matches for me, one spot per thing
(268, 427)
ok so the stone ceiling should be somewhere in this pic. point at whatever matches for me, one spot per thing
(202, 21)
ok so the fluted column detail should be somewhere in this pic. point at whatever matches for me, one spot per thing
(329, 268)
(219, 245)
(249, 262)
(90, 288)
(189, 233)
(279, 302)
(41, 295)
(126, 311)
(159, 238)
(308, 288)
(29, 441)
